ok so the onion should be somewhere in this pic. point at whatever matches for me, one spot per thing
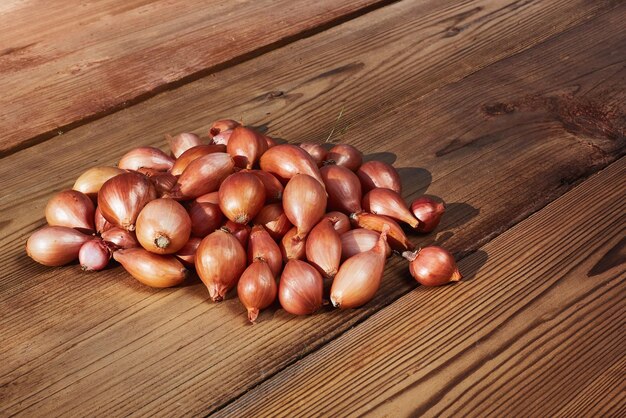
(187, 254)
(389, 203)
(151, 269)
(428, 211)
(221, 126)
(291, 247)
(373, 174)
(323, 248)
(220, 261)
(163, 226)
(55, 245)
(205, 218)
(300, 289)
(358, 241)
(193, 154)
(345, 155)
(94, 255)
(273, 187)
(341, 221)
(92, 180)
(432, 266)
(146, 157)
(239, 231)
(273, 218)
(304, 203)
(118, 238)
(182, 142)
(246, 146)
(285, 161)
(72, 209)
(203, 175)
(242, 196)
(396, 237)
(316, 151)
(261, 245)
(122, 197)
(343, 187)
(257, 288)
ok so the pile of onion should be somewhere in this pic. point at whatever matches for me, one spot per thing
(301, 224)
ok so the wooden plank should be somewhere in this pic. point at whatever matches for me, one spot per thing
(80, 343)
(539, 320)
(63, 64)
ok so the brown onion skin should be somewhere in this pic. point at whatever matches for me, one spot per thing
(55, 245)
(203, 175)
(292, 248)
(344, 189)
(151, 269)
(261, 245)
(257, 288)
(92, 180)
(182, 142)
(341, 221)
(100, 223)
(304, 203)
(163, 226)
(273, 218)
(187, 254)
(389, 203)
(213, 197)
(146, 157)
(358, 241)
(122, 198)
(242, 196)
(301, 288)
(94, 255)
(323, 248)
(396, 237)
(285, 161)
(193, 154)
(239, 231)
(345, 155)
(246, 146)
(359, 277)
(273, 187)
(432, 266)
(72, 209)
(118, 238)
(205, 218)
(429, 212)
(373, 174)
(220, 261)
(317, 151)
(164, 183)
(222, 125)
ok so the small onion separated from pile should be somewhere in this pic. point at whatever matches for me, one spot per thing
(432, 266)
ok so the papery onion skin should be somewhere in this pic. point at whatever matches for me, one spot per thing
(222, 137)
(203, 175)
(358, 241)
(118, 238)
(301, 288)
(164, 183)
(146, 157)
(341, 223)
(323, 248)
(122, 197)
(220, 261)
(163, 226)
(273, 187)
(389, 203)
(261, 245)
(94, 255)
(246, 146)
(429, 212)
(55, 245)
(373, 174)
(92, 180)
(242, 196)
(151, 269)
(285, 161)
(345, 155)
(304, 203)
(343, 187)
(432, 266)
(239, 231)
(291, 247)
(257, 288)
(396, 237)
(187, 254)
(193, 154)
(205, 218)
(317, 151)
(100, 223)
(72, 209)
(182, 142)
(359, 277)
(222, 125)
(273, 218)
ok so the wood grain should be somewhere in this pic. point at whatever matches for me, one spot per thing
(85, 343)
(63, 63)
(528, 333)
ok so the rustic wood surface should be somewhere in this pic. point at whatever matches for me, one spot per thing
(77, 61)
(522, 336)
(506, 104)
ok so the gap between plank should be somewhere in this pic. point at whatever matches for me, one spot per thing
(42, 137)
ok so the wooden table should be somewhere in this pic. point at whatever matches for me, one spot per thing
(512, 111)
